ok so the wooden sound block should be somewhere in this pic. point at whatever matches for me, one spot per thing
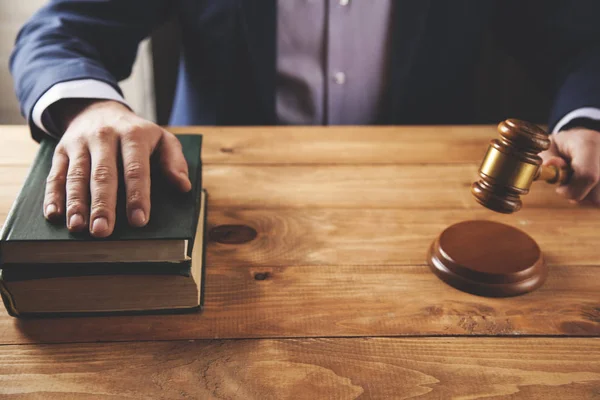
(488, 259)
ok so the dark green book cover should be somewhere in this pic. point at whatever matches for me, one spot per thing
(174, 215)
(10, 272)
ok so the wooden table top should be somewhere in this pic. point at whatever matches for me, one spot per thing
(333, 299)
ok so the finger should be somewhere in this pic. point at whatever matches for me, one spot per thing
(78, 189)
(553, 157)
(103, 184)
(136, 168)
(552, 152)
(173, 162)
(559, 163)
(54, 197)
(593, 197)
(586, 172)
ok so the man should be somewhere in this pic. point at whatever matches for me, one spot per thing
(264, 62)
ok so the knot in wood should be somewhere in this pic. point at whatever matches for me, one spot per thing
(261, 276)
(232, 234)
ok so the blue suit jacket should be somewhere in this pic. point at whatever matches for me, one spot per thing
(227, 69)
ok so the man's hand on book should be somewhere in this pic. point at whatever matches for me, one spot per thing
(83, 179)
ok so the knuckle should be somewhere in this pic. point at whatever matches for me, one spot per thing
(99, 204)
(585, 138)
(177, 142)
(75, 206)
(135, 197)
(80, 158)
(60, 149)
(134, 170)
(74, 200)
(103, 174)
(135, 132)
(104, 134)
(589, 176)
(56, 179)
(100, 207)
(173, 140)
(587, 142)
(53, 196)
(77, 176)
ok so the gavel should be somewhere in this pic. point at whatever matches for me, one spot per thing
(512, 164)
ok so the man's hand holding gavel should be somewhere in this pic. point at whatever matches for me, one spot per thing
(83, 180)
(579, 148)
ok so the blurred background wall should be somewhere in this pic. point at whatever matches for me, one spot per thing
(502, 89)
(138, 89)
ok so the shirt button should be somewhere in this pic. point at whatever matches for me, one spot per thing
(339, 78)
(344, 2)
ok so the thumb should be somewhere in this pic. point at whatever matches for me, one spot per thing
(173, 162)
(553, 156)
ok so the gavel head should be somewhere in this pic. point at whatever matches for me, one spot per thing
(510, 166)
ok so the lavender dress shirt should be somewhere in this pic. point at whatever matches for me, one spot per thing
(331, 61)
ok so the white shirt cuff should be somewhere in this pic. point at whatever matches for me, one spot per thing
(81, 89)
(586, 112)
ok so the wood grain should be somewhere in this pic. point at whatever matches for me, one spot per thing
(310, 145)
(18, 148)
(344, 144)
(383, 368)
(291, 237)
(385, 237)
(319, 301)
(366, 186)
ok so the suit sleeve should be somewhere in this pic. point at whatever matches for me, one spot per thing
(558, 41)
(70, 40)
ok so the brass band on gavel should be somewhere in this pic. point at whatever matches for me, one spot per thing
(510, 169)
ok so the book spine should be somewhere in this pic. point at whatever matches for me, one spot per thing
(75, 314)
(7, 298)
(197, 200)
(203, 244)
(23, 272)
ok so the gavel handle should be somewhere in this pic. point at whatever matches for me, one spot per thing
(553, 174)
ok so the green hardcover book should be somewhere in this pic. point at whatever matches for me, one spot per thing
(48, 271)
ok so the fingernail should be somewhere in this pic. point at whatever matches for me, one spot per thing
(184, 176)
(75, 221)
(573, 201)
(187, 184)
(138, 217)
(100, 225)
(51, 209)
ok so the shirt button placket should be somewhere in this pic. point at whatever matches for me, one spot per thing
(339, 78)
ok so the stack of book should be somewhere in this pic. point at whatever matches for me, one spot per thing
(47, 271)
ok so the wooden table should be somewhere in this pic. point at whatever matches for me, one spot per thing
(333, 298)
